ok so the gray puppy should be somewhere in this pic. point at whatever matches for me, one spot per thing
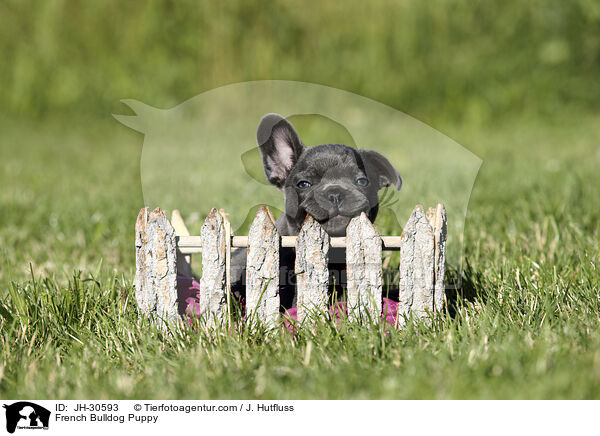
(331, 182)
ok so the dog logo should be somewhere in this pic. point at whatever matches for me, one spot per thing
(26, 415)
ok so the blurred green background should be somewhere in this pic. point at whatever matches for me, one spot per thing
(460, 60)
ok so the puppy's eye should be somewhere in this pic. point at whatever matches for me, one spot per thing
(362, 181)
(303, 184)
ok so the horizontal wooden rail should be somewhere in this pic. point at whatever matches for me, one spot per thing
(193, 244)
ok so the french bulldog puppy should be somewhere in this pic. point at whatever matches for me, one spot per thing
(331, 182)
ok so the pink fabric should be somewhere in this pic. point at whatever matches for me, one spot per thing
(189, 296)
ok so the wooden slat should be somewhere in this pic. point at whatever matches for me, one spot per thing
(193, 244)
(178, 224)
(155, 266)
(437, 220)
(228, 236)
(416, 267)
(262, 270)
(363, 261)
(213, 299)
(312, 275)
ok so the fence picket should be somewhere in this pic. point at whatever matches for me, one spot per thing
(213, 284)
(438, 221)
(416, 267)
(312, 275)
(364, 270)
(155, 266)
(262, 270)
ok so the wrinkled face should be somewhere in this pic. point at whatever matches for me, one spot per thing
(330, 183)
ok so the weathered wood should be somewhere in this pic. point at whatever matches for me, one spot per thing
(262, 270)
(228, 238)
(416, 267)
(155, 262)
(312, 275)
(363, 261)
(193, 244)
(163, 248)
(213, 287)
(437, 220)
(184, 261)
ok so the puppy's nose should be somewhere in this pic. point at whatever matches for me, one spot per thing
(335, 195)
(334, 198)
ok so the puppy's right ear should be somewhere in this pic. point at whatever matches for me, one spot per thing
(279, 146)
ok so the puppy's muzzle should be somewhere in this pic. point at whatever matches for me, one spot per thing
(335, 195)
(335, 201)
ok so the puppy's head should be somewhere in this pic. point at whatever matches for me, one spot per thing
(331, 182)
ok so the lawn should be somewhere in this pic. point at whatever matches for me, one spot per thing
(525, 324)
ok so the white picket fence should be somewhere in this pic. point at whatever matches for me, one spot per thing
(164, 249)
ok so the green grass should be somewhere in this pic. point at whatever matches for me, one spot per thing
(528, 329)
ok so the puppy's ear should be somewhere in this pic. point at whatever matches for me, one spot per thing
(380, 170)
(279, 146)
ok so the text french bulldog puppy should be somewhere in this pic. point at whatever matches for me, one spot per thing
(331, 182)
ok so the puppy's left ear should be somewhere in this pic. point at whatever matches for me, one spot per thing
(380, 170)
